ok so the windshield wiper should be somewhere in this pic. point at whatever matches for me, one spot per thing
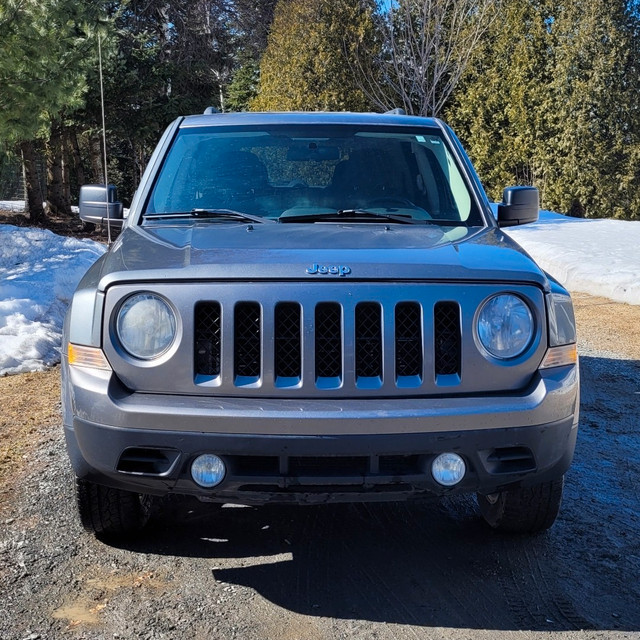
(349, 214)
(229, 214)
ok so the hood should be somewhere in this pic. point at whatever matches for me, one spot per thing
(207, 250)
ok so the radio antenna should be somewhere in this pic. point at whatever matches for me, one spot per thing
(104, 142)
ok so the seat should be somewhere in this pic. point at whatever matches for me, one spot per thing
(234, 180)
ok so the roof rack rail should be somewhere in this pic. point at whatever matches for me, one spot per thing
(210, 110)
(396, 112)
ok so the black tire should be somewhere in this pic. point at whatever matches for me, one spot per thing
(111, 513)
(525, 510)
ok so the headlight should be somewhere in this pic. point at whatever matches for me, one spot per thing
(505, 326)
(146, 326)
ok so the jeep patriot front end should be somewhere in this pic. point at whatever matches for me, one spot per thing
(318, 307)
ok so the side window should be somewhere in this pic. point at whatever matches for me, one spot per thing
(458, 188)
(176, 188)
(440, 181)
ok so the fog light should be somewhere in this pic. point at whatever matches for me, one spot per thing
(448, 469)
(208, 470)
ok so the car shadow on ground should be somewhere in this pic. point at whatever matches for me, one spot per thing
(429, 565)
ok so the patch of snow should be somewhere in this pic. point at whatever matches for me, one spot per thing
(19, 206)
(12, 205)
(39, 272)
(600, 257)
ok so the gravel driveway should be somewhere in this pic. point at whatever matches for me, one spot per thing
(346, 571)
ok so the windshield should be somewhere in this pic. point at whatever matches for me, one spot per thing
(280, 172)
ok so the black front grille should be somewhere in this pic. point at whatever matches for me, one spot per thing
(208, 339)
(287, 343)
(247, 349)
(368, 340)
(448, 338)
(324, 466)
(408, 339)
(328, 347)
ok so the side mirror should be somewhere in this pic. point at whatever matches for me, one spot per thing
(99, 203)
(520, 205)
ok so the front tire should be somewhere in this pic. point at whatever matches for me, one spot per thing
(523, 510)
(111, 513)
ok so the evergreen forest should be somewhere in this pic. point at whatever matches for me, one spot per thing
(540, 92)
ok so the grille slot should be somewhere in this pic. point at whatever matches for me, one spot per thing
(328, 466)
(328, 347)
(448, 338)
(208, 339)
(247, 348)
(287, 342)
(254, 465)
(408, 339)
(399, 465)
(368, 340)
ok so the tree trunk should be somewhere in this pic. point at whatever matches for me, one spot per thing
(66, 167)
(77, 157)
(56, 200)
(95, 150)
(32, 182)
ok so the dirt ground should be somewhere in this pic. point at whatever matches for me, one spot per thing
(428, 570)
(608, 326)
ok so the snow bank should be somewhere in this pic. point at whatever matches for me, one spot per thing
(39, 272)
(600, 257)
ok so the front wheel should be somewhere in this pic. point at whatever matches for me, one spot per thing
(524, 510)
(111, 513)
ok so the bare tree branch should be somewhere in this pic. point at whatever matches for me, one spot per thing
(426, 47)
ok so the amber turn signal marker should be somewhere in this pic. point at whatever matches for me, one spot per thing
(92, 357)
(560, 356)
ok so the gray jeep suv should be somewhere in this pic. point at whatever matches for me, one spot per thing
(316, 307)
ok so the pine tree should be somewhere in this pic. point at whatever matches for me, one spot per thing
(42, 60)
(499, 108)
(591, 156)
(243, 88)
(309, 60)
(551, 100)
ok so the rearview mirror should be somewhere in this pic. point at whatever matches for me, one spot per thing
(313, 151)
(99, 203)
(520, 205)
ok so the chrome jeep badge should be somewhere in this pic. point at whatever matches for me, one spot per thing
(329, 269)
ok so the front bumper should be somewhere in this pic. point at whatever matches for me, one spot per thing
(310, 451)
